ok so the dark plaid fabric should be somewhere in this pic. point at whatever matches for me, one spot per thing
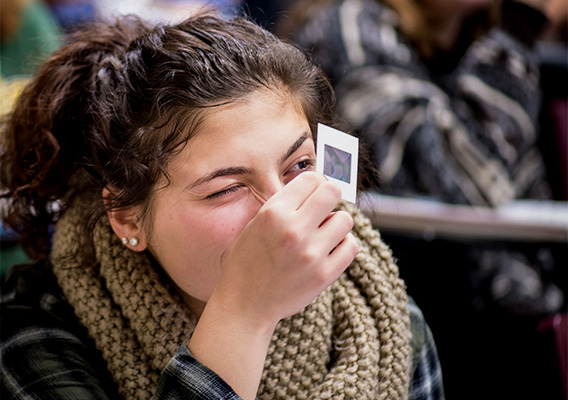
(46, 354)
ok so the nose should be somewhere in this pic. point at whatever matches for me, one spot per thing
(267, 190)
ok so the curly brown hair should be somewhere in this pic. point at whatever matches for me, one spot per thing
(118, 101)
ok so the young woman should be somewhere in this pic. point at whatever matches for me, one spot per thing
(164, 178)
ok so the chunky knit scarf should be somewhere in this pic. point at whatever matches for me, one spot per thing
(352, 342)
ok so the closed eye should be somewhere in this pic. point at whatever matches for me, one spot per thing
(224, 192)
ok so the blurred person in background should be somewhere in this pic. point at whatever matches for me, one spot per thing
(447, 96)
(72, 13)
(557, 29)
(266, 13)
(553, 55)
(160, 11)
(28, 34)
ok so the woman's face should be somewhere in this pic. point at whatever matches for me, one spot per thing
(243, 152)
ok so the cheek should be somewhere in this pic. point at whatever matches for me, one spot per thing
(223, 225)
(190, 242)
(196, 236)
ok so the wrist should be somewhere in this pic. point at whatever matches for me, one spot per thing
(232, 311)
(231, 344)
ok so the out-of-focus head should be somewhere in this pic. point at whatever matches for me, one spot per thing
(420, 18)
(439, 6)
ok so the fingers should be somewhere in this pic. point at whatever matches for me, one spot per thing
(311, 195)
(294, 194)
(343, 255)
(302, 214)
(337, 242)
(322, 202)
(334, 229)
(337, 261)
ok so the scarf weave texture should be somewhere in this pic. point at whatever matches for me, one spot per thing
(351, 342)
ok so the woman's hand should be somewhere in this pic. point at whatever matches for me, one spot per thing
(293, 249)
(289, 252)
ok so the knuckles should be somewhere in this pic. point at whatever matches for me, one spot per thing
(272, 215)
(292, 236)
(274, 220)
(309, 257)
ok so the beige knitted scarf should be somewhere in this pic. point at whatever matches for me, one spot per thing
(352, 342)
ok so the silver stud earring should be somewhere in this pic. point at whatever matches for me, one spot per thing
(134, 242)
(124, 240)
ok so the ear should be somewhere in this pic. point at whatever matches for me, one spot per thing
(127, 225)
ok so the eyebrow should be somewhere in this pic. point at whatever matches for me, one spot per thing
(220, 173)
(294, 147)
(229, 171)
